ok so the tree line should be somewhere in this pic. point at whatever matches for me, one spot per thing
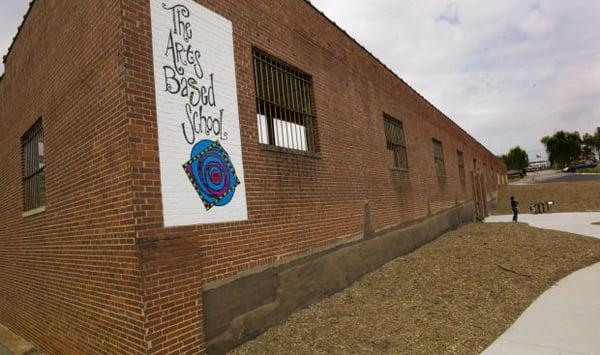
(562, 147)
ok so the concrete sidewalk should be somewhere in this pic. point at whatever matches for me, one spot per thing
(578, 223)
(566, 318)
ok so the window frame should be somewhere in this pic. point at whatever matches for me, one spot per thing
(460, 157)
(284, 105)
(437, 159)
(397, 145)
(33, 166)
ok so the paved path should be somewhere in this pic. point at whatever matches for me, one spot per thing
(566, 318)
(536, 177)
(552, 176)
(579, 223)
(571, 177)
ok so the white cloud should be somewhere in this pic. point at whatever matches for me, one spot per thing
(11, 16)
(509, 71)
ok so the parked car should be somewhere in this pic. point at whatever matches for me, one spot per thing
(516, 174)
(580, 165)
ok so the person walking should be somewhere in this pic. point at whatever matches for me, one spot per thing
(515, 208)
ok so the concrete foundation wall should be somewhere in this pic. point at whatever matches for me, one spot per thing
(243, 308)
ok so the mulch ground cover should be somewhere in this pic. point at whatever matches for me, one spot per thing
(12, 344)
(454, 295)
(578, 196)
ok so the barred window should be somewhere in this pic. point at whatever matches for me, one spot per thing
(32, 153)
(283, 104)
(394, 136)
(461, 165)
(438, 156)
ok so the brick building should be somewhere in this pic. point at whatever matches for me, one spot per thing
(177, 176)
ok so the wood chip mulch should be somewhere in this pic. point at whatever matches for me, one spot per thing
(11, 343)
(454, 295)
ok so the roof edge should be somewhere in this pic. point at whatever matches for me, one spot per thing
(32, 2)
(16, 36)
(397, 76)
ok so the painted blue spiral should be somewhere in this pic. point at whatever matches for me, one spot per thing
(211, 172)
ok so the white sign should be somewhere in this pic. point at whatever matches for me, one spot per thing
(201, 169)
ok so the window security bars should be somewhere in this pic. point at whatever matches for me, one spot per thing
(32, 153)
(283, 104)
(394, 135)
(461, 165)
(438, 155)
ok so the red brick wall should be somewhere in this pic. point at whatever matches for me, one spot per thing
(70, 277)
(295, 203)
(97, 270)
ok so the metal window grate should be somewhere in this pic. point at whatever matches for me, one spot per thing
(438, 155)
(283, 104)
(394, 135)
(32, 152)
(461, 165)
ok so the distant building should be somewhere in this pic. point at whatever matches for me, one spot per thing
(539, 165)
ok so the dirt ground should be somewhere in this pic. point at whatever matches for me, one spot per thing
(10, 344)
(454, 295)
(582, 196)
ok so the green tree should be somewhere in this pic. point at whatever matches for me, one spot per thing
(596, 141)
(563, 147)
(516, 158)
(588, 148)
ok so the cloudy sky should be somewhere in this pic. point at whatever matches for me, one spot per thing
(508, 71)
(11, 16)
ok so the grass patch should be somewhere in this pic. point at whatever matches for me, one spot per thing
(454, 295)
(595, 170)
(581, 196)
